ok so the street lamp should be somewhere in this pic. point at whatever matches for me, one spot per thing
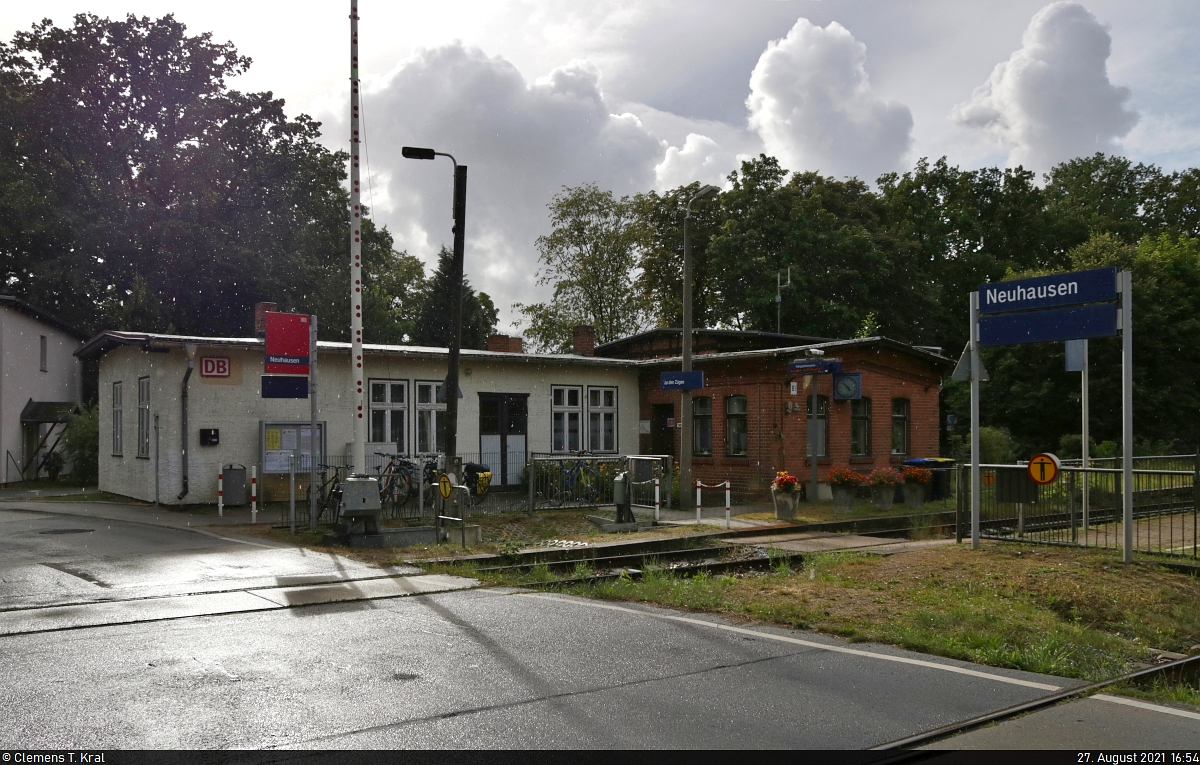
(450, 387)
(685, 413)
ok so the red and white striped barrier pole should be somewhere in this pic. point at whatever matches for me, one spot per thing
(698, 485)
(656, 499)
(726, 503)
(254, 493)
(220, 492)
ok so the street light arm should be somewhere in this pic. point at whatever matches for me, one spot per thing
(703, 193)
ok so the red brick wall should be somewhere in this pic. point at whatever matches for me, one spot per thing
(777, 438)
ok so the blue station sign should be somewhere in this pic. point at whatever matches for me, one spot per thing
(1095, 286)
(1075, 323)
(815, 366)
(693, 380)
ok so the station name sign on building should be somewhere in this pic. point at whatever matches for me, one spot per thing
(693, 380)
(287, 356)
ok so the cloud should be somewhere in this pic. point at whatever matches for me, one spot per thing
(700, 159)
(812, 104)
(522, 142)
(1052, 100)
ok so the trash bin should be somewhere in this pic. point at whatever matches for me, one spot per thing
(234, 484)
(941, 467)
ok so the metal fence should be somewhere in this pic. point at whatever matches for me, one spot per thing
(1185, 462)
(1084, 507)
(572, 480)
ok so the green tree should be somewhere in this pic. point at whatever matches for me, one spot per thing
(432, 326)
(393, 296)
(589, 257)
(660, 260)
(137, 187)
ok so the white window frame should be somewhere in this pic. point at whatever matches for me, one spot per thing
(388, 408)
(117, 433)
(561, 414)
(600, 415)
(143, 418)
(431, 411)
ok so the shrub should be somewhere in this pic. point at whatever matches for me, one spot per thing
(81, 441)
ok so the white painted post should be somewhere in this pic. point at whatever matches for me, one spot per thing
(697, 502)
(1126, 283)
(656, 499)
(254, 493)
(726, 503)
(292, 491)
(976, 371)
(221, 492)
(1086, 457)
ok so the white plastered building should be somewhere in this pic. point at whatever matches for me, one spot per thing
(40, 383)
(513, 405)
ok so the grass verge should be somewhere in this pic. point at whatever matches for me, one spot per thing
(1071, 613)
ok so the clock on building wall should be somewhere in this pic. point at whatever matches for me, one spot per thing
(847, 386)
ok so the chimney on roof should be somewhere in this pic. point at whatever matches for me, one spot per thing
(260, 318)
(583, 340)
(505, 344)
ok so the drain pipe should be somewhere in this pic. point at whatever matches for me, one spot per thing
(191, 352)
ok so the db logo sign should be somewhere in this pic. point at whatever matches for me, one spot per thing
(214, 366)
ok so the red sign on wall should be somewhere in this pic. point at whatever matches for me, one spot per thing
(214, 366)
(287, 344)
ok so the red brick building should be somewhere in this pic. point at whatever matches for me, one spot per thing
(750, 420)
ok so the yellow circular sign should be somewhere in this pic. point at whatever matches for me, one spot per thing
(1043, 468)
(444, 486)
(988, 479)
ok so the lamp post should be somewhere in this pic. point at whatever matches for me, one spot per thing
(450, 387)
(685, 413)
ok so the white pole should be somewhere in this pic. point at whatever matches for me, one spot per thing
(1127, 405)
(220, 492)
(726, 503)
(292, 492)
(976, 368)
(697, 502)
(358, 452)
(1086, 438)
(254, 493)
(656, 499)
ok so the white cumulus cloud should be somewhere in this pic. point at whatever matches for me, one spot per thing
(1052, 99)
(811, 102)
(522, 142)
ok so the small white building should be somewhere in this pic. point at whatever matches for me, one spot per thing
(514, 404)
(40, 384)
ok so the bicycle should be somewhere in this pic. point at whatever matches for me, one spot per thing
(329, 492)
(578, 484)
(398, 485)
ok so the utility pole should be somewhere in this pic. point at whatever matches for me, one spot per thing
(357, 399)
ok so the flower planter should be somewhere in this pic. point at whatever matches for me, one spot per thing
(914, 495)
(785, 504)
(882, 496)
(843, 497)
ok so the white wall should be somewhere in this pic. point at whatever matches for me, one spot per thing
(21, 377)
(235, 406)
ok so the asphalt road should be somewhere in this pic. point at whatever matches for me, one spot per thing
(482, 668)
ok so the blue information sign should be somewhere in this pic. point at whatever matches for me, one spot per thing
(284, 386)
(815, 366)
(1095, 286)
(693, 380)
(1074, 323)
